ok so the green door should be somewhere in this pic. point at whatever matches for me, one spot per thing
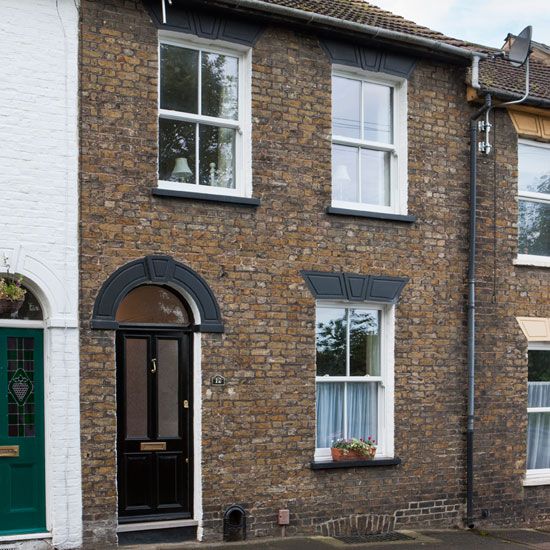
(22, 483)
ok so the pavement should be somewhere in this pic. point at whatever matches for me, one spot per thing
(494, 539)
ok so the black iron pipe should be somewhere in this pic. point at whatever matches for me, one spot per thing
(472, 314)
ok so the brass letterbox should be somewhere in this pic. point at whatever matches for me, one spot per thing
(9, 451)
(153, 446)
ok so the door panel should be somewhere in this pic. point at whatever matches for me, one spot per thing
(139, 495)
(170, 466)
(167, 388)
(22, 477)
(154, 421)
(136, 383)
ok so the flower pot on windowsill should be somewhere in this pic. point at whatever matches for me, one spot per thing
(10, 306)
(341, 455)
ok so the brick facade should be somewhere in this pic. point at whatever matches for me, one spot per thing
(505, 292)
(258, 432)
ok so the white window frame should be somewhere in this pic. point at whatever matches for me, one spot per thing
(398, 150)
(243, 126)
(540, 476)
(386, 427)
(544, 198)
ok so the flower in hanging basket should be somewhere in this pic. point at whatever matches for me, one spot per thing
(12, 294)
(353, 449)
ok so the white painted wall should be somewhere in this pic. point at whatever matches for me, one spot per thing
(39, 216)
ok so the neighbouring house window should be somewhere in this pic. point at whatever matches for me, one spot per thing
(538, 409)
(354, 377)
(534, 202)
(369, 144)
(204, 119)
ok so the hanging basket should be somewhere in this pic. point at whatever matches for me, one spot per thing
(9, 307)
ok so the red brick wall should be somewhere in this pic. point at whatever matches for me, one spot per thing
(259, 431)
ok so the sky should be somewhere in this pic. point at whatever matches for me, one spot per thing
(484, 22)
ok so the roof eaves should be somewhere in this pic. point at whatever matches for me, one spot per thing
(311, 18)
(506, 95)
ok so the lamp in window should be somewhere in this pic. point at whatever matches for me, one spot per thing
(181, 171)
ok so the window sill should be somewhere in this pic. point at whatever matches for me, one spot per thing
(536, 261)
(368, 214)
(227, 199)
(331, 465)
(534, 478)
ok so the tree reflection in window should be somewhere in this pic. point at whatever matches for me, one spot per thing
(534, 199)
(334, 349)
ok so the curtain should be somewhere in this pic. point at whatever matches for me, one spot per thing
(362, 405)
(538, 433)
(330, 413)
(373, 354)
(362, 411)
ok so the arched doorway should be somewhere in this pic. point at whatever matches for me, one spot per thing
(154, 405)
(22, 432)
(134, 319)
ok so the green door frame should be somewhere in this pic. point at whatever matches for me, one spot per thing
(22, 478)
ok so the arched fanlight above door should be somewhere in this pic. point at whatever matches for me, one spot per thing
(164, 272)
(152, 305)
(28, 309)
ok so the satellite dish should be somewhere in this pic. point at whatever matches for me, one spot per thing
(521, 48)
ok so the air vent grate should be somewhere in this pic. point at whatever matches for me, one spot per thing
(379, 537)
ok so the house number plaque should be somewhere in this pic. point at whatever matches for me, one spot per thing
(217, 380)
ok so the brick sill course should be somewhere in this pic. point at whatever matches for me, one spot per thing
(227, 199)
(334, 211)
(331, 465)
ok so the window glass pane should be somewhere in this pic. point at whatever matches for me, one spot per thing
(168, 388)
(534, 228)
(152, 305)
(346, 107)
(177, 151)
(29, 309)
(375, 177)
(378, 113)
(538, 441)
(539, 379)
(362, 410)
(330, 413)
(344, 173)
(220, 85)
(21, 405)
(534, 168)
(136, 387)
(331, 341)
(364, 337)
(179, 80)
(217, 156)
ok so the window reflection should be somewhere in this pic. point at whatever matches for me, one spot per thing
(179, 79)
(152, 304)
(331, 341)
(534, 228)
(220, 84)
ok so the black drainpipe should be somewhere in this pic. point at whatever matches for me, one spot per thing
(472, 313)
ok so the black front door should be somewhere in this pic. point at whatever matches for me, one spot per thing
(154, 426)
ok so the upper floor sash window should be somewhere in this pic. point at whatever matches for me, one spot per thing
(204, 118)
